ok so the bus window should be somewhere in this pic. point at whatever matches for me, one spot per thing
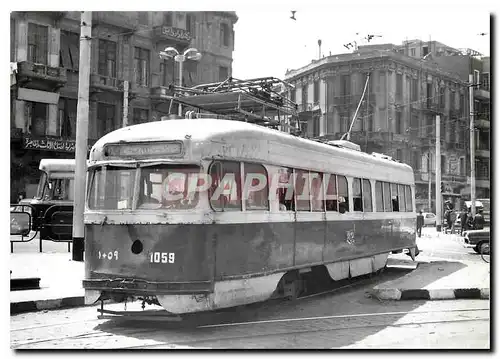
(379, 196)
(42, 185)
(408, 197)
(343, 194)
(331, 197)
(284, 191)
(256, 200)
(387, 197)
(401, 194)
(394, 197)
(225, 192)
(356, 195)
(317, 202)
(302, 190)
(367, 196)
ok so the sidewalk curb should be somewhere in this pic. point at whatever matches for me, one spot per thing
(46, 304)
(431, 294)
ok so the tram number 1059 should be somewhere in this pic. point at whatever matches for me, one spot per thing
(161, 257)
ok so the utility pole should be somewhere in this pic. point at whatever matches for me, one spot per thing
(429, 180)
(438, 174)
(82, 128)
(125, 103)
(472, 149)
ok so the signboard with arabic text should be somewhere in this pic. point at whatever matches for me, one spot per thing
(50, 144)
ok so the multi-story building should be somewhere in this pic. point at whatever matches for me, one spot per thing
(124, 56)
(466, 64)
(397, 116)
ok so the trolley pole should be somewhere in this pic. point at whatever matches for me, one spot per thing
(472, 149)
(438, 174)
(82, 127)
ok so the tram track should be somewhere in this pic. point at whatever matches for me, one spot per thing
(307, 326)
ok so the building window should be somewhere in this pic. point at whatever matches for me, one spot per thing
(429, 96)
(443, 164)
(346, 88)
(105, 118)
(315, 126)
(107, 58)
(167, 68)
(399, 124)
(441, 97)
(316, 92)
(223, 73)
(38, 43)
(476, 77)
(224, 34)
(485, 81)
(399, 87)
(167, 19)
(369, 122)
(143, 17)
(412, 52)
(69, 54)
(67, 117)
(37, 118)
(416, 160)
(304, 97)
(141, 66)
(462, 104)
(292, 95)
(191, 24)
(140, 115)
(399, 154)
(425, 50)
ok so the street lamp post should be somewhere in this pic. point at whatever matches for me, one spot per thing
(189, 54)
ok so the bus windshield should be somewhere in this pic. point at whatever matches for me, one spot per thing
(160, 187)
(42, 184)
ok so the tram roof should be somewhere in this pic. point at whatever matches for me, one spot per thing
(217, 130)
(57, 165)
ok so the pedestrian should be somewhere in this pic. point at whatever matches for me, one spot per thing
(463, 221)
(479, 220)
(420, 223)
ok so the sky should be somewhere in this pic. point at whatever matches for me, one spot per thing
(268, 42)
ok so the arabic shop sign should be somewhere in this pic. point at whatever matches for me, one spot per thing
(175, 33)
(50, 144)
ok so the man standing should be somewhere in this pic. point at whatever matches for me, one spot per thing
(463, 221)
(420, 223)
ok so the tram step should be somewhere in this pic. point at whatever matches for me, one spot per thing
(24, 284)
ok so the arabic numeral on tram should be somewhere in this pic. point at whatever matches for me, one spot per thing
(161, 257)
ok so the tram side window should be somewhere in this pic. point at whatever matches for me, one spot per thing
(332, 200)
(285, 192)
(225, 191)
(317, 201)
(256, 187)
(401, 194)
(367, 196)
(387, 197)
(343, 194)
(394, 197)
(408, 197)
(379, 196)
(357, 199)
(302, 190)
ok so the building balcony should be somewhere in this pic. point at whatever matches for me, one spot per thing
(482, 94)
(161, 93)
(454, 178)
(171, 35)
(481, 181)
(455, 113)
(482, 152)
(308, 107)
(126, 20)
(100, 83)
(432, 107)
(482, 122)
(40, 77)
(455, 146)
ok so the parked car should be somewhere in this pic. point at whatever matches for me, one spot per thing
(429, 219)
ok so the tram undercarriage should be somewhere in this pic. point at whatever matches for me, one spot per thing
(230, 293)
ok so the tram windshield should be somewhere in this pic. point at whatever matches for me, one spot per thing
(160, 187)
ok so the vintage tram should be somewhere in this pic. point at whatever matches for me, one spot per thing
(147, 237)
